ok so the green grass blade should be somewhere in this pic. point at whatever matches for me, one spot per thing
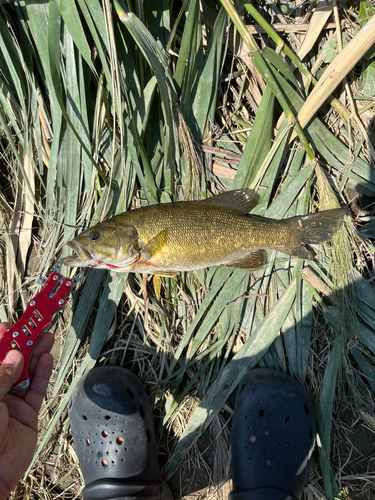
(304, 316)
(70, 150)
(204, 104)
(94, 18)
(325, 417)
(221, 277)
(259, 142)
(189, 26)
(278, 62)
(227, 293)
(157, 19)
(366, 367)
(12, 65)
(156, 59)
(54, 23)
(291, 189)
(73, 23)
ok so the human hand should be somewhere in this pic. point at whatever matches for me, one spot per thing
(19, 412)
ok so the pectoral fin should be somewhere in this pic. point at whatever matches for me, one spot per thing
(252, 260)
(154, 246)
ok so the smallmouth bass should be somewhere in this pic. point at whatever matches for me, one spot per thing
(172, 237)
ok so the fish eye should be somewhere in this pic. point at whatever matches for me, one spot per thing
(94, 236)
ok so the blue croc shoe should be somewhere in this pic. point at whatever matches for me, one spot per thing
(113, 432)
(273, 437)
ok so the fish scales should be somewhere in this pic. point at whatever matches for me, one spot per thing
(184, 236)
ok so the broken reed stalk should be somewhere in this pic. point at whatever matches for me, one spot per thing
(337, 70)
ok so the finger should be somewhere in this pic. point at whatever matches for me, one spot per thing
(4, 420)
(10, 371)
(21, 411)
(44, 344)
(35, 393)
(4, 415)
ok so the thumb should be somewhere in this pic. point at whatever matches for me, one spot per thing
(10, 371)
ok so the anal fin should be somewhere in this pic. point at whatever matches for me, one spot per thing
(252, 260)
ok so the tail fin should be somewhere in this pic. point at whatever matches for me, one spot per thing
(313, 229)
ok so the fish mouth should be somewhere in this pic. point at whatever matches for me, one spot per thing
(85, 258)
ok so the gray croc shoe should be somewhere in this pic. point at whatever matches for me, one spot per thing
(113, 432)
(273, 437)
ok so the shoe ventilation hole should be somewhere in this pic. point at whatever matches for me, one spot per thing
(104, 434)
(148, 434)
(261, 413)
(252, 438)
(287, 445)
(130, 393)
(107, 417)
(88, 442)
(269, 463)
(306, 408)
(119, 440)
(141, 411)
(266, 432)
(287, 419)
(104, 463)
(84, 417)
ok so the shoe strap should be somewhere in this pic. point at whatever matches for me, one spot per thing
(261, 494)
(123, 490)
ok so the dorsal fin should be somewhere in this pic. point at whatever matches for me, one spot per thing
(242, 200)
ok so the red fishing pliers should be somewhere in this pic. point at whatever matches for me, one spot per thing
(37, 318)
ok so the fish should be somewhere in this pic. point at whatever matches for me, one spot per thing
(169, 238)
